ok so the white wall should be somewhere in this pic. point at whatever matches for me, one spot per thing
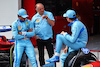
(8, 11)
(8, 14)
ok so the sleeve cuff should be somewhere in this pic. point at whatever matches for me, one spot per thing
(24, 33)
(64, 33)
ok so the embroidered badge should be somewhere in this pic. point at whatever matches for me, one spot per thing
(46, 14)
(26, 23)
(37, 20)
(24, 38)
(19, 27)
(24, 12)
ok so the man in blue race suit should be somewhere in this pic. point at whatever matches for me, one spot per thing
(78, 39)
(23, 30)
(43, 22)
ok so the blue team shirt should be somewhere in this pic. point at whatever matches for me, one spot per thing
(42, 28)
(22, 26)
(79, 32)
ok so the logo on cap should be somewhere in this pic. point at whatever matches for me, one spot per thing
(24, 12)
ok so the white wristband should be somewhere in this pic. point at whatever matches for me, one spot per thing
(23, 33)
(64, 33)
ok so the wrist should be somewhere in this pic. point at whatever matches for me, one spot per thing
(64, 33)
(46, 17)
(24, 33)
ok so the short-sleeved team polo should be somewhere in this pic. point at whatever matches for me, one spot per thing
(42, 28)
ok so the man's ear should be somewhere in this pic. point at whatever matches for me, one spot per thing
(36, 9)
(18, 15)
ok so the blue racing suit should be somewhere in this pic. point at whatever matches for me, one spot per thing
(23, 42)
(78, 38)
(64, 56)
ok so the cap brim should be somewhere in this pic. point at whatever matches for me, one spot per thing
(24, 16)
(64, 15)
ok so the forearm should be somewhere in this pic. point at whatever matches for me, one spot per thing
(66, 49)
(15, 33)
(29, 33)
(17, 36)
(51, 22)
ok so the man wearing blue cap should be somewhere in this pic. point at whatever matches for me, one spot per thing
(22, 30)
(78, 39)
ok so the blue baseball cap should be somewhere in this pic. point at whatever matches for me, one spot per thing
(22, 13)
(70, 14)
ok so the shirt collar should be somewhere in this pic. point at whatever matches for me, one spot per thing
(39, 14)
(73, 22)
(21, 20)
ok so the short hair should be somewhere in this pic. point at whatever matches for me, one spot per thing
(36, 5)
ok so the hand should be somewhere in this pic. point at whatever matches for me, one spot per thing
(20, 33)
(44, 16)
(37, 38)
(30, 30)
(65, 50)
(62, 32)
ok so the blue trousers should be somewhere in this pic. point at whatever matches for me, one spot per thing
(64, 55)
(29, 50)
(60, 39)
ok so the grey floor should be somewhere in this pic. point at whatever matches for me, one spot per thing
(94, 42)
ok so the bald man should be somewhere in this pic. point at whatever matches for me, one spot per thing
(43, 22)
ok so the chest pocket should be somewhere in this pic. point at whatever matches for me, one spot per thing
(23, 26)
(37, 22)
(27, 26)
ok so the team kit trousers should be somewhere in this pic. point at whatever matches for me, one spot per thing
(64, 56)
(41, 44)
(60, 40)
(20, 47)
